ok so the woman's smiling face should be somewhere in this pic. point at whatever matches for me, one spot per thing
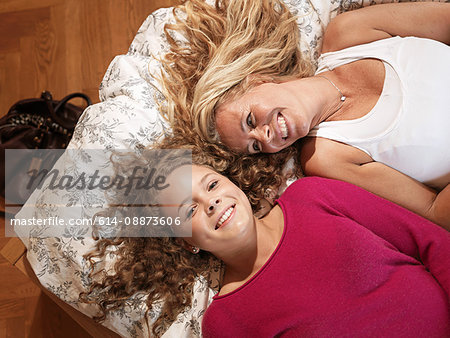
(268, 118)
(220, 213)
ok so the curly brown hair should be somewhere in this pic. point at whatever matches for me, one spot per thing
(253, 174)
(158, 266)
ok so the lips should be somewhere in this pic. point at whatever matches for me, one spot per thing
(283, 127)
(227, 214)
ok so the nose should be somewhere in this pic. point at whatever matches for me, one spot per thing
(263, 134)
(213, 204)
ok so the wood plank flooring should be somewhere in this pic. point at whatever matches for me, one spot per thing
(62, 46)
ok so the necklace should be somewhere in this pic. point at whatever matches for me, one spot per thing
(342, 98)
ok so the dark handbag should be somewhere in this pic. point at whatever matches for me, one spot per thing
(39, 123)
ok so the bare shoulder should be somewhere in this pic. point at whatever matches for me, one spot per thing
(323, 157)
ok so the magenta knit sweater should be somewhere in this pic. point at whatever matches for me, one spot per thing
(349, 264)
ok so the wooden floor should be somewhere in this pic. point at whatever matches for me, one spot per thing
(62, 46)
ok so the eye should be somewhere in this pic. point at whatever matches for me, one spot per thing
(256, 147)
(212, 185)
(250, 121)
(190, 212)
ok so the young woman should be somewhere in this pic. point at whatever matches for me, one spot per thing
(375, 113)
(329, 259)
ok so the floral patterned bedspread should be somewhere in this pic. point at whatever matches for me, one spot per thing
(127, 118)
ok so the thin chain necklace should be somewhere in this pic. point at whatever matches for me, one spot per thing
(342, 98)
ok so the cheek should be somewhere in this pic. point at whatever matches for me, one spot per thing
(200, 232)
(244, 215)
(196, 230)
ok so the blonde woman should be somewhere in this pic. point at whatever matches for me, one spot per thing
(376, 112)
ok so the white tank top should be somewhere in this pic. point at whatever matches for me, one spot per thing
(408, 129)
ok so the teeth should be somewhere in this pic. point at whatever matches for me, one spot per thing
(224, 217)
(283, 127)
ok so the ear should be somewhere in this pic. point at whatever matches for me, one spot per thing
(263, 208)
(185, 245)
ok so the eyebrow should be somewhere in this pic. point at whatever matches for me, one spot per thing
(243, 128)
(184, 202)
(204, 178)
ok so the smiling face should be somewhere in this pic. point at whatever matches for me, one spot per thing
(268, 118)
(221, 215)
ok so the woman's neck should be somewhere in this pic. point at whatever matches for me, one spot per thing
(319, 99)
(241, 268)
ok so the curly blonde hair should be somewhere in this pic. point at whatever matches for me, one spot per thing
(224, 44)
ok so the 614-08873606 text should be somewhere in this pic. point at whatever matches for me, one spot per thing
(138, 220)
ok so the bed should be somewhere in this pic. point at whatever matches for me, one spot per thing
(127, 118)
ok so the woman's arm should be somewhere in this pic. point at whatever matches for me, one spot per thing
(354, 166)
(426, 20)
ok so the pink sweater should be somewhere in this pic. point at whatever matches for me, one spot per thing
(348, 264)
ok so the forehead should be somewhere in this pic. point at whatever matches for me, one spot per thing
(178, 186)
(240, 101)
(230, 123)
(187, 175)
(229, 128)
(185, 178)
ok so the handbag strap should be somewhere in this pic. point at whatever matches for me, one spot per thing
(69, 97)
(54, 111)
